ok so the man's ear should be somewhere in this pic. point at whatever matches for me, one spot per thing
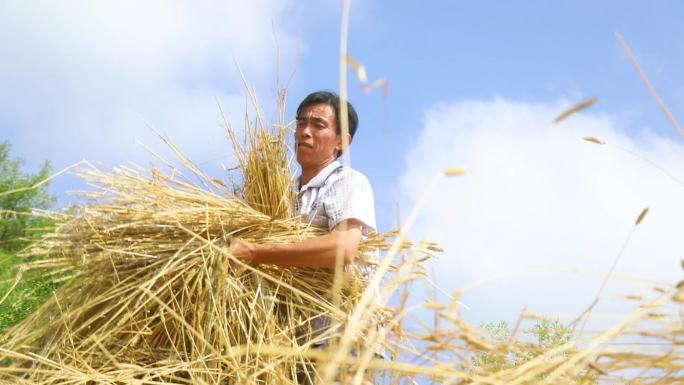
(341, 142)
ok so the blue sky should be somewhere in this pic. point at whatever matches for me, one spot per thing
(472, 84)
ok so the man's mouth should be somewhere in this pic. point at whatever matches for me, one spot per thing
(307, 145)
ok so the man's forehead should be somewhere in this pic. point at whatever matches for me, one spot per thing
(317, 111)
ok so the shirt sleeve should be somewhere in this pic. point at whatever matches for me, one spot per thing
(351, 197)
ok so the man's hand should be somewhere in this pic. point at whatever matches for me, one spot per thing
(243, 250)
(318, 252)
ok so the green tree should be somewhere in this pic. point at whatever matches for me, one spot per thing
(21, 294)
(18, 198)
(511, 351)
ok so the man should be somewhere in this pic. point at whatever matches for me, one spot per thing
(328, 194)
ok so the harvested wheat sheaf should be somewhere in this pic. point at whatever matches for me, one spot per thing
(153, 296)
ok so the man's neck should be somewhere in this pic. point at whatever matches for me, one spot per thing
(309, 173)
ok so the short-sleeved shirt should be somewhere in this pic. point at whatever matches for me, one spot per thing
(335, 194)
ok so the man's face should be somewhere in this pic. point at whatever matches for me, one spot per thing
(316, 136)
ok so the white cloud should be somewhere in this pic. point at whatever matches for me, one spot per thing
(536, 196)
(79, 79)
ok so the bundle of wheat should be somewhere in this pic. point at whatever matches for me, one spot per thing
(154, 293)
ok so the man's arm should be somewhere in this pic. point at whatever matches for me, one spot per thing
(318, 252)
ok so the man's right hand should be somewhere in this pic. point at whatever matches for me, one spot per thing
(243, 250)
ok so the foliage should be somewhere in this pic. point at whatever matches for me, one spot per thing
(550, 333)
(20, 295)
(512, 351)
(17, 225)
(25, 297)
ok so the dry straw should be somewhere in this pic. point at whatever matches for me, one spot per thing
(583, 105)
(151, 298)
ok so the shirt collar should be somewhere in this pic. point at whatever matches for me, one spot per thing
(320, 178)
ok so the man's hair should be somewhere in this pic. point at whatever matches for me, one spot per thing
(333, 100)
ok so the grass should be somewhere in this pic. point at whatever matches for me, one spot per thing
(24, 296)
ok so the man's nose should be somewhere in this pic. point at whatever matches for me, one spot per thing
(304, 131)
